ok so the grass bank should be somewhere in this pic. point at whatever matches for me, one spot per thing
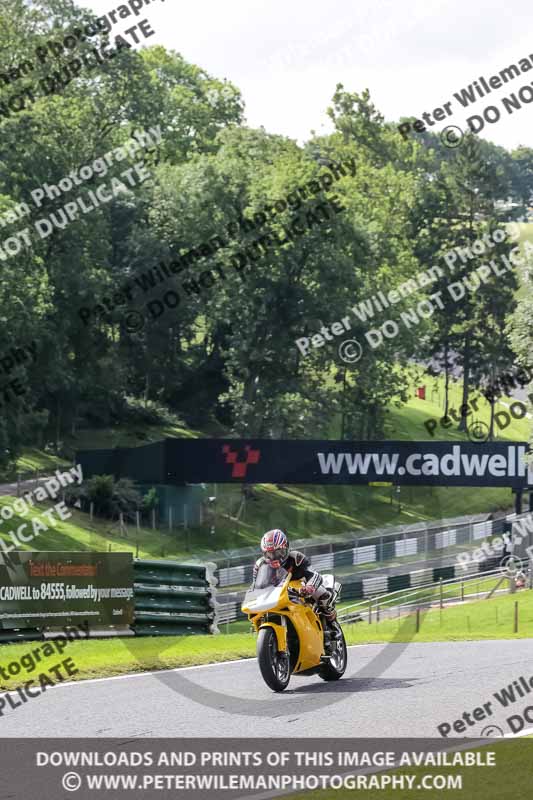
(481, 619)
(485, 619)
(305, 511)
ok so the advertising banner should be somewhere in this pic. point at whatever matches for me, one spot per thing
(51, 589)
(346, 462)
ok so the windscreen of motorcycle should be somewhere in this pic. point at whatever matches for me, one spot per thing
(266, 591)
(268, 576)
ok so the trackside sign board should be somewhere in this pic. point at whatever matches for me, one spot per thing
(51, 589)
(334, 462)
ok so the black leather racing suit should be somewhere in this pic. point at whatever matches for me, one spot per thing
(298, 565)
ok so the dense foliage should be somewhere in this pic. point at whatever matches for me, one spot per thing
(226, 352)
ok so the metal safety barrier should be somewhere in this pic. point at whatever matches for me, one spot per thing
(380, 549)
(363, 589)
(451, 590)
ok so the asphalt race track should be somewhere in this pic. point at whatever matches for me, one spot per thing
(388, 691)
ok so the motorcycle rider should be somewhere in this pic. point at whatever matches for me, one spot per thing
(276, 553)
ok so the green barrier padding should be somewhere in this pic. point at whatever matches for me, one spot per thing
(171, 605)
(489, 564)
(173, 599)
(165, 616)
(165, 591)
(193, 569)
(343, 559)
(175, 577)
(352, 591)
(396, 582)
(27, 635)
(386, 552)
(171, 630)
(444, 573)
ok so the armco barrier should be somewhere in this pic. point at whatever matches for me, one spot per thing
(230, 612)
(174, 599)
(425, 595)
(357, 588)
(383, 548)
(10, 636)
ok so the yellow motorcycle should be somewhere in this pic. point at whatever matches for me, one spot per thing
(291, 637)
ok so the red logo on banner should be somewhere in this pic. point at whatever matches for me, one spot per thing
(240, 467)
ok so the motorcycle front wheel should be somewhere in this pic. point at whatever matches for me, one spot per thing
(274, 666)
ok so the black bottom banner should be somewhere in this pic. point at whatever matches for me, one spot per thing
(325, 769)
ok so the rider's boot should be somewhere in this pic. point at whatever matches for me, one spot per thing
(329, 616)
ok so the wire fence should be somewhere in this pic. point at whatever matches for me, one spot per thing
(417, 589)
(383, 549)
(445, 594)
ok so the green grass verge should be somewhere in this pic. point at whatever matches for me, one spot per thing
(33, 460)
(481, 619)
(101, 658)
(407, 422)
(486, 619)
(305, 511)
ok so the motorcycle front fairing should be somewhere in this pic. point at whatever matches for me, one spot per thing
(269, 593)
(275, 591)
(267, 590)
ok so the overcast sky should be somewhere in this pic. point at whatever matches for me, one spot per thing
(286, 56)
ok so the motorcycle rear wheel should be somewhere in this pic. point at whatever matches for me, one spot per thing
(274, 666)
(336, 667)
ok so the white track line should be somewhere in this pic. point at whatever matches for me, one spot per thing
(85, 681)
